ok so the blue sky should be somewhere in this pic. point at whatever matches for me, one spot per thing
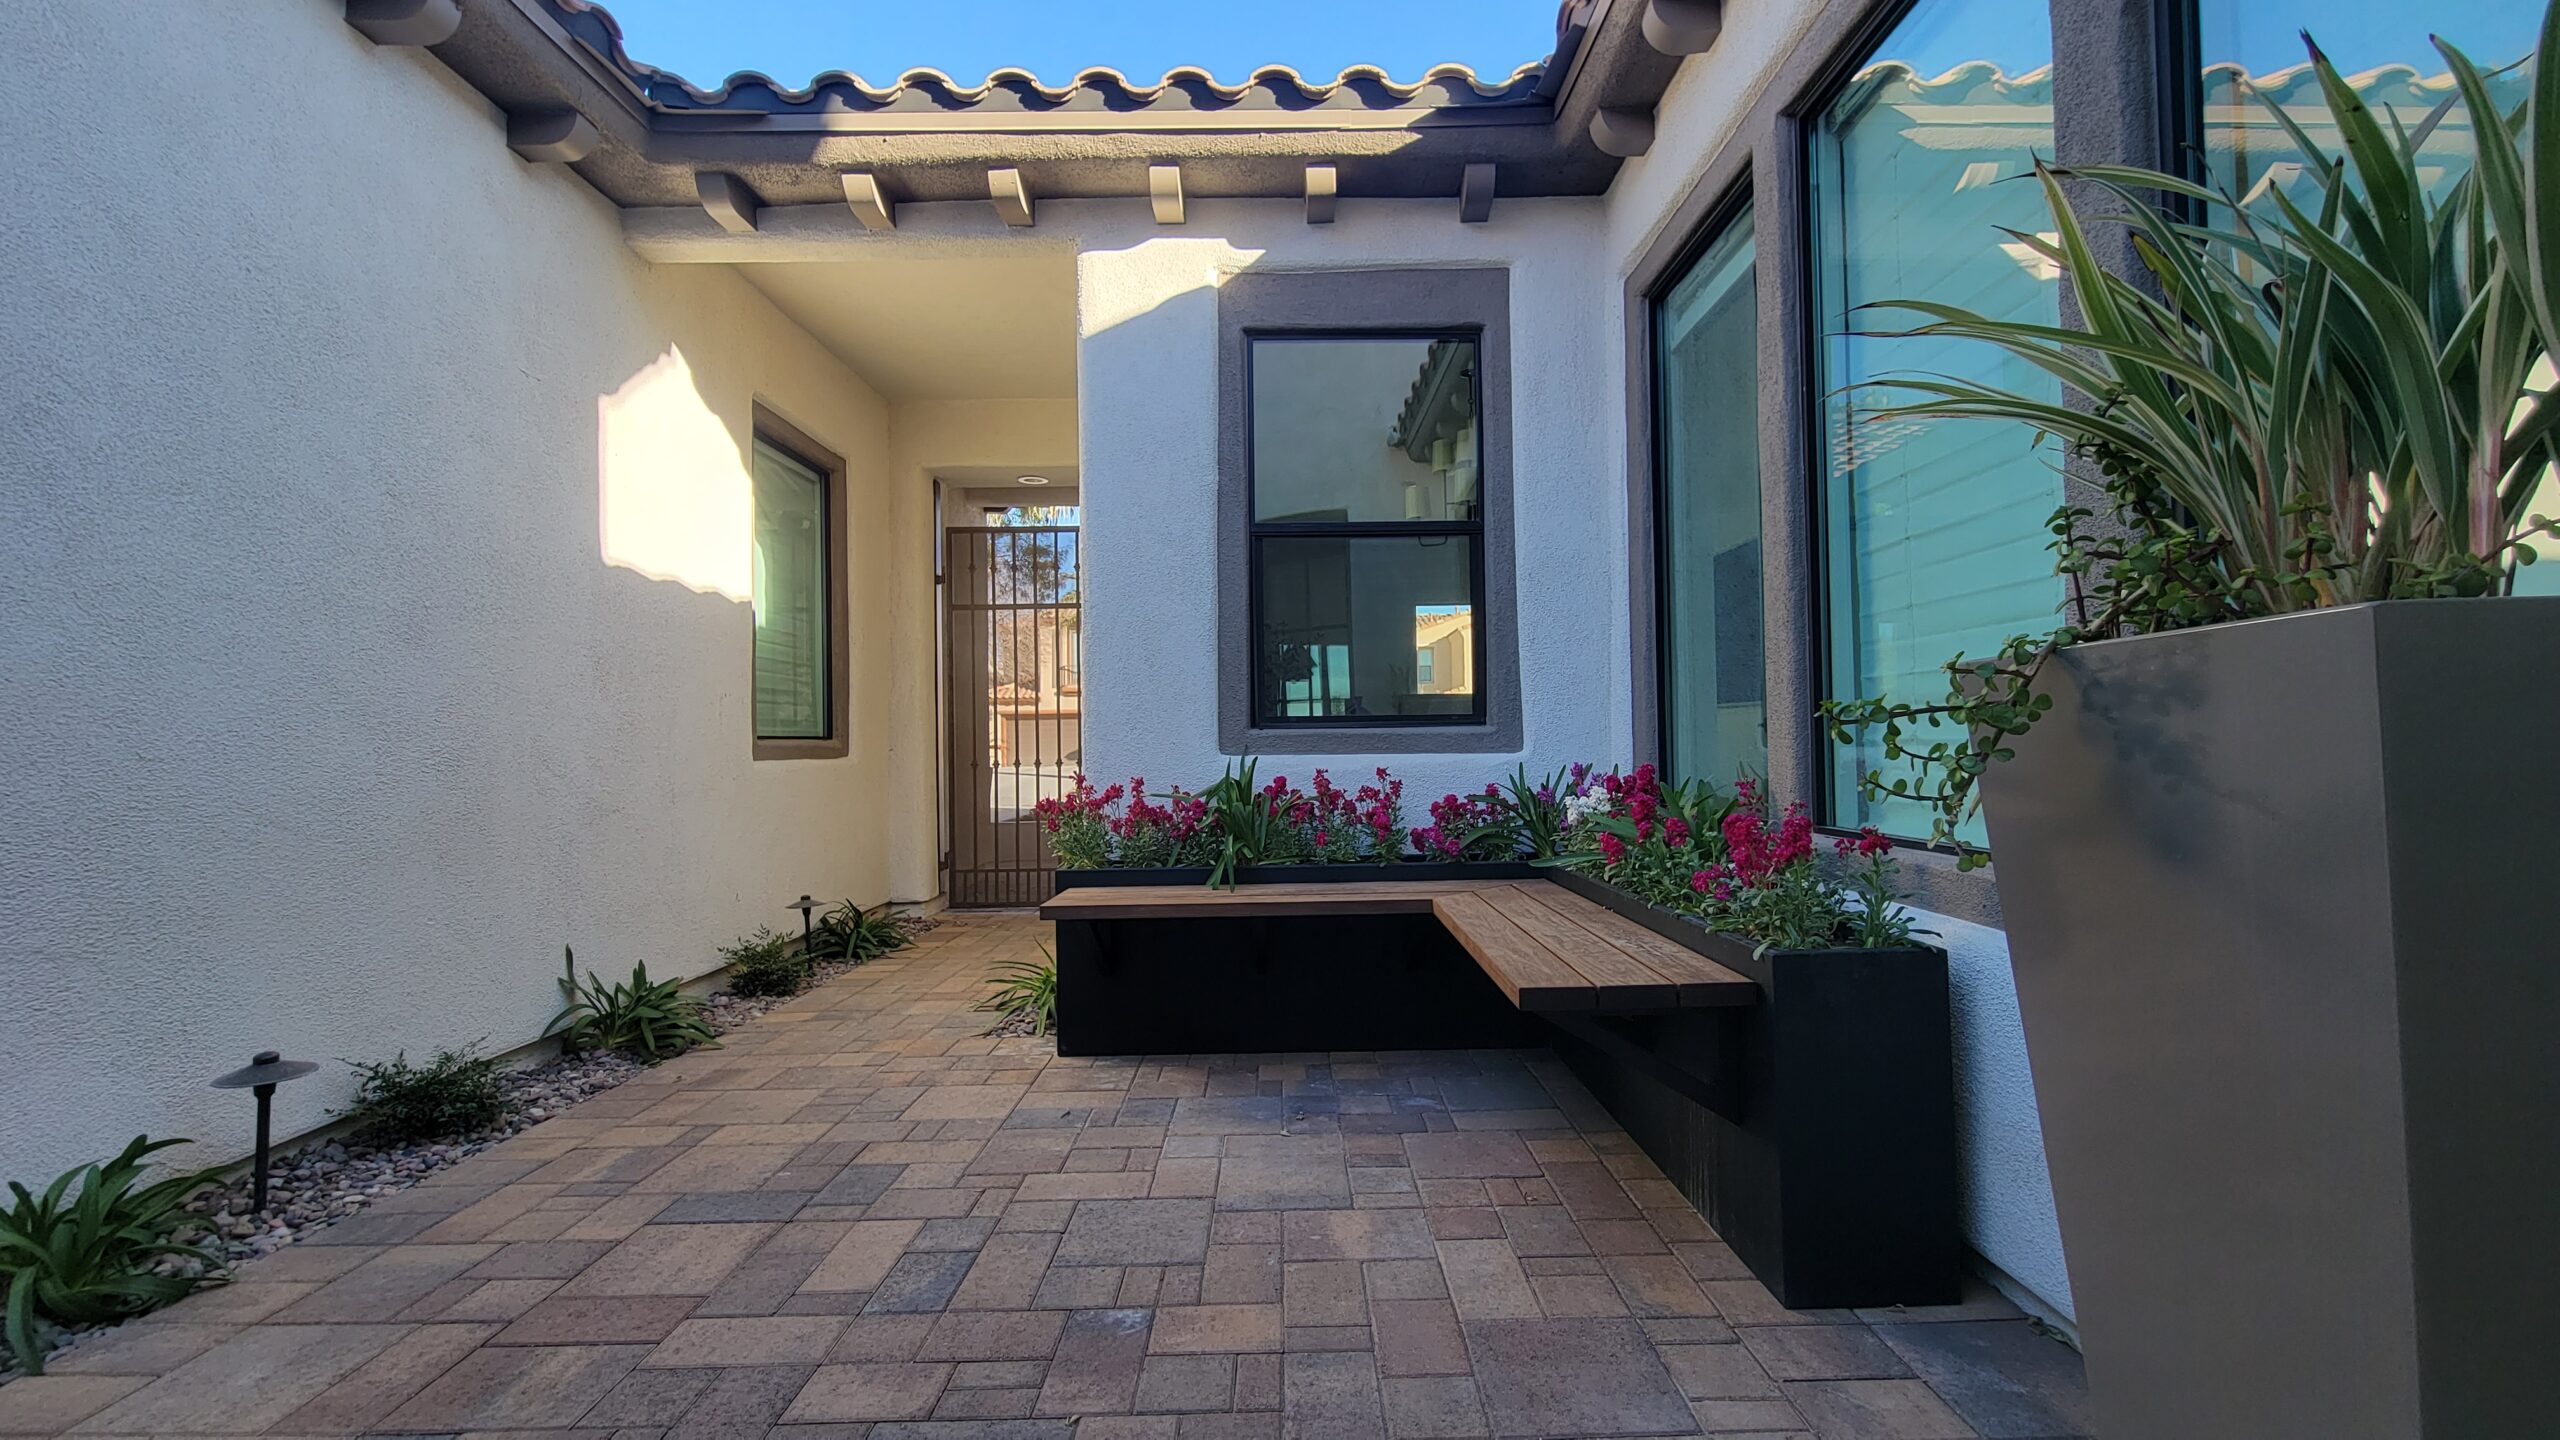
(792, 40)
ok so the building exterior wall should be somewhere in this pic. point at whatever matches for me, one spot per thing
(1148, 379)
(373, 537)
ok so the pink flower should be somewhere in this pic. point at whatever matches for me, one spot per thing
(1613, 851)
(1675, 832)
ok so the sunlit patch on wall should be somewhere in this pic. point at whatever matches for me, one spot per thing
(674, 501)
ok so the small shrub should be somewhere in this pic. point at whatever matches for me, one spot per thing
(87, 1258)
(455, 1093)
(768, 964)
(649, 1020)
(1024, 988)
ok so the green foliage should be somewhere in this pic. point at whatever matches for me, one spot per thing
(649, 1020)
(853, 934)
(1022, 987)
(1249, 828)
(1532, 812)
(2292, 411)
(82, 1252)
(454, 1093)
(765, 963)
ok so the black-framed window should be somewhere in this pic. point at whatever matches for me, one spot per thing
(1366, 527)
(793, 599)
(1707, 522)
(1932, 537)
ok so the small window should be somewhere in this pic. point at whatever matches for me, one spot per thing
(1367, 529)
(794, 620)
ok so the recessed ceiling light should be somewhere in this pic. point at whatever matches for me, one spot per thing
(1030, 479)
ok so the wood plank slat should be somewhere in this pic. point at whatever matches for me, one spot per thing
(1620, 981)
(1528, 972)
(1169, 902)
(1700, 981)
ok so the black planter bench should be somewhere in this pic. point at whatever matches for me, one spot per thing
(1802, 1100)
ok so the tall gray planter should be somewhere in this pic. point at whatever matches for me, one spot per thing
(2283, 899)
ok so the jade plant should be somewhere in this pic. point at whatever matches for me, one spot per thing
(2291, 408)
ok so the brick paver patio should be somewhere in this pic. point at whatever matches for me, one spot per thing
(862, 1218)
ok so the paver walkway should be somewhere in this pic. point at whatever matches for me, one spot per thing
(861, 1218)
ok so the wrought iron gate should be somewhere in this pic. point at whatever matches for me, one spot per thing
(1015, 704)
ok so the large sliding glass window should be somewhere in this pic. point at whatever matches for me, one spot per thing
(1933, 532)
(792, 686)
(1707, 512)
(1367, 529)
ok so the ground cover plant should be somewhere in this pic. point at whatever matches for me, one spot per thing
(766, 963)
(453, 1092)
(92, 1248)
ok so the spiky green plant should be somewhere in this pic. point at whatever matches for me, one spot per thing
(851, 932)
(1024, 987)
(82, 1252)
(1249, 830)
(2291, 410)
(649, 1020)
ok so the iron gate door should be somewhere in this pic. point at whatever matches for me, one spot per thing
(1015, 706)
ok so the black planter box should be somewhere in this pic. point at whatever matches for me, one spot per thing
(1826, 1155)
(1815, 1131)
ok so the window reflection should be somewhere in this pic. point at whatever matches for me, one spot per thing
(1933, 531)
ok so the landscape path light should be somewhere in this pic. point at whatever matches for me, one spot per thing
(265, 1071)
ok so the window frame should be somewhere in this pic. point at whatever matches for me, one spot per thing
(1258, 530)
(771, 429)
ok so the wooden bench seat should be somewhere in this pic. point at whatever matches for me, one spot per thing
(1547, 948)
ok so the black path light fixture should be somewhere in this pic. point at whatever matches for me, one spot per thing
(265, 1071)
(805, 906)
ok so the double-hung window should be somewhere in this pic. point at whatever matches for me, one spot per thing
(1933, 532)
(1366, 517)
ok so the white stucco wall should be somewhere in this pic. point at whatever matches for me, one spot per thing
(372, 545)
(1148, 378)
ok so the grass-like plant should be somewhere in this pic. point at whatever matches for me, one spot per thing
(454, 1093)
(765, 963)
(1025, 987)
(2292, 410)
(649, 1020)
(851, 932)
(1250, 830)
(82, 1252)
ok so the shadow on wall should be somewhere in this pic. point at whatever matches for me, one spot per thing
(674, 497)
